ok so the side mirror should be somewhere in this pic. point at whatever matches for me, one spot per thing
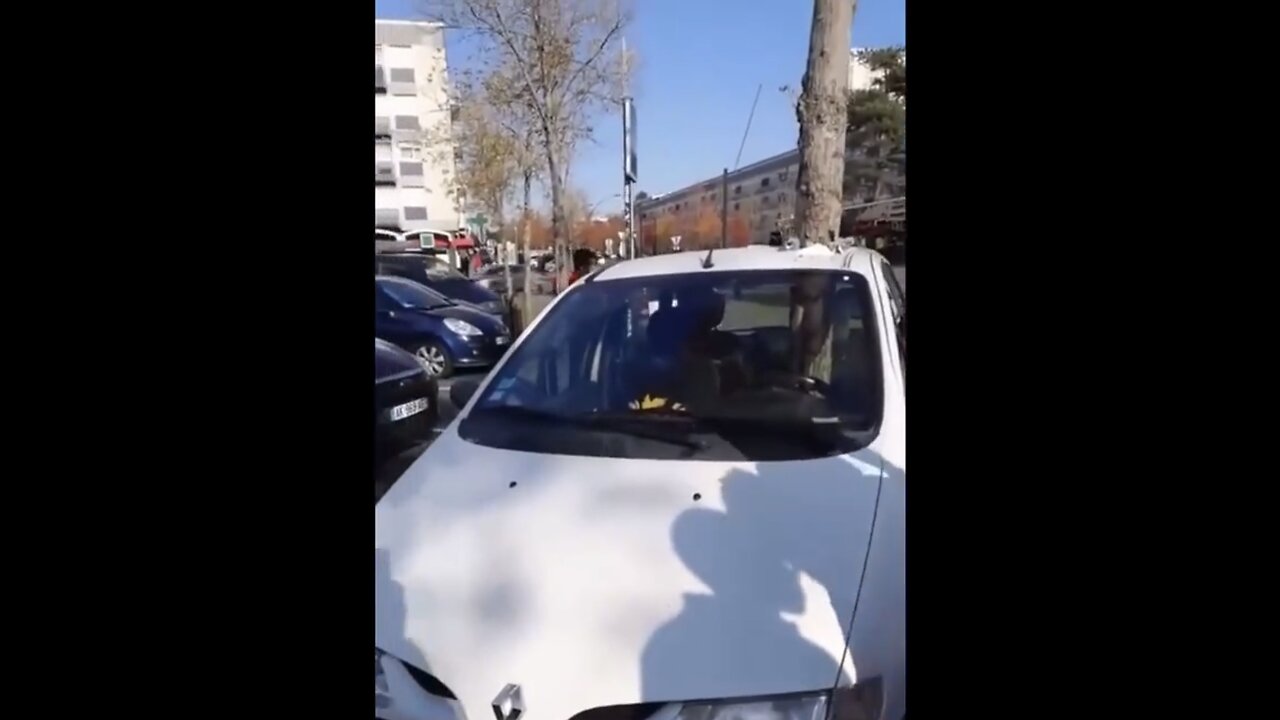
(461, 391)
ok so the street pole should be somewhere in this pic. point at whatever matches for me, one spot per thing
(631, 220)
(629, 171)
(724, 209)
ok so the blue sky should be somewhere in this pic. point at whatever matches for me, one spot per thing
(700, 64)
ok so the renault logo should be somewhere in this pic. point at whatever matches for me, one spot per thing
(508, 705)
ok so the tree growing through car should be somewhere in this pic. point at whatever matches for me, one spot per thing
(821, 111)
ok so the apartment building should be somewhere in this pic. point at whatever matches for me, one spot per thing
(761, 195)
(414, 159)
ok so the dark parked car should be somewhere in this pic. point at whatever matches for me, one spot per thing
(441, 333)
(494, 278)
(406, 400)
(435, 273)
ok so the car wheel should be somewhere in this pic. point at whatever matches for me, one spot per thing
(435, 359)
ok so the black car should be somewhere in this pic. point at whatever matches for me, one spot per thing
(406, 400)
(435, 273)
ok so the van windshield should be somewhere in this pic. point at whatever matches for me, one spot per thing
(748, 365)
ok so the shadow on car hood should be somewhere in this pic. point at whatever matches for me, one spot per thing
(593, 581)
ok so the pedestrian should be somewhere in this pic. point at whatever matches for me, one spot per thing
(582, 261)
(476, 262)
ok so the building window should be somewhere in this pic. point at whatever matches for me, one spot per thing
(735, 207)
(401, 82)
(407, 122)
(409, 151)
(381, 126)
(737, 190)
(415, 213)
(763, 183)
(411, 175)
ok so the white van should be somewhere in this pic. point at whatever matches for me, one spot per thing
(664, 502)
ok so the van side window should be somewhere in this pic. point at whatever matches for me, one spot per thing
(898, 305)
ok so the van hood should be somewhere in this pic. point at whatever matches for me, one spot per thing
(591, 581)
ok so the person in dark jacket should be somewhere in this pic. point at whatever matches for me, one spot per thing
(583, 259)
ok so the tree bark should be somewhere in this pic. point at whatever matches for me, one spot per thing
(823, 119)
(557, 206)
(528, 260)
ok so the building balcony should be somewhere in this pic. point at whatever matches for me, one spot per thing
(387, 218)
(379, 80)
(382, 128)
(384, 173)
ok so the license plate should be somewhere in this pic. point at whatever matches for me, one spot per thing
(502, 340)
(413, 407)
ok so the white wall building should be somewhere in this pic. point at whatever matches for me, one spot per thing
(414, 160)
(860, 75)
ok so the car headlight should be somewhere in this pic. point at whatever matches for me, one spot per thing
(461, 327)
(860, 701)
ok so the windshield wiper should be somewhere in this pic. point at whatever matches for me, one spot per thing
(634, 426)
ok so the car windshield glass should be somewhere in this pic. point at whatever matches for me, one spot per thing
(773, 364)
(412, 295)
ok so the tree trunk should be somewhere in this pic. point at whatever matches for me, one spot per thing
(822, 112)
(557, 206)
(528, 260)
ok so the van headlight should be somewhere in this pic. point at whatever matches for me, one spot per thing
(860, 701)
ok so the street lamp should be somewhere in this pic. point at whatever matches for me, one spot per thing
(592, 210)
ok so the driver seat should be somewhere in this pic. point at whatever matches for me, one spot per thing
(673, 371)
